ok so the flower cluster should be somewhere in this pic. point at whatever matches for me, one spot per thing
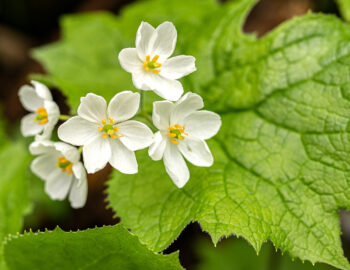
(107, 133)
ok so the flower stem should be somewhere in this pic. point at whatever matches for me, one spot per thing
(142, 100)
(64, 117)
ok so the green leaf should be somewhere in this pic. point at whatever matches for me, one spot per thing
(110, 247)
(344, 8)
(235, 254)
(86, 59)
(14, 199)
(282, 163)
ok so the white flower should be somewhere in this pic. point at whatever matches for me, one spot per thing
(182, 131)
(105, 134)
(149, 62)
(44, 112)
(59, 166)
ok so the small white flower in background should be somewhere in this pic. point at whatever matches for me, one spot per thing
(59, 166)
(182, 132)
(44, 112)
(149, 62)
(105, 134)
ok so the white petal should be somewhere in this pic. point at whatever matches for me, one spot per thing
(124, 105)
(196, 151)
(157, 148)
(69, 152)
(122, 158)
(78, 131)
(58, 184)
(79, 189)
(175, 165)
(161, 114)
(41, 147)
(93, 108)
(29, 127)
(29, 98)
(202, 124)
(129, 60)
(178, 67)
(53, 114)
(188, 104)
(144, 39)
(143, 80)
(43, 165)
(165, 88)
(136, 135)
(165, 41)
(42, 91)
(96, 154)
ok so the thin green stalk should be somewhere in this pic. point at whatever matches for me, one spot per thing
(64, 117)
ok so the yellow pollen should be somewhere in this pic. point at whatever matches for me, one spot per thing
(65, 165)
(152, 65)
(108, 130)
(176, 133)
(41, 117)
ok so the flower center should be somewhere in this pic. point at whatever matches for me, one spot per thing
(176, 133)
(65, 165)
(41, 117)
(152, 65)
(108, 130)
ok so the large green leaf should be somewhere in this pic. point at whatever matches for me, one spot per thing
(86, 59)
(14, 199)
(282, 156)
(101, 248)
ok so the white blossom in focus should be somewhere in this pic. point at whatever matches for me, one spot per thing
(149, 62)
(183, 130)
(105, 133)
(44, 111)
(59, 166)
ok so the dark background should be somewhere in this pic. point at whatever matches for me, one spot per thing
(25, 24)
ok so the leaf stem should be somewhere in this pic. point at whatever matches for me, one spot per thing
(64, 117)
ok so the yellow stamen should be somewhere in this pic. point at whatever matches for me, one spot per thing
(152, 65)
(155, 58)
(171, 135)
(42, 117)
(65, 165)
(113, 136)
(176, 133)
(108, 130)
(44, 121)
